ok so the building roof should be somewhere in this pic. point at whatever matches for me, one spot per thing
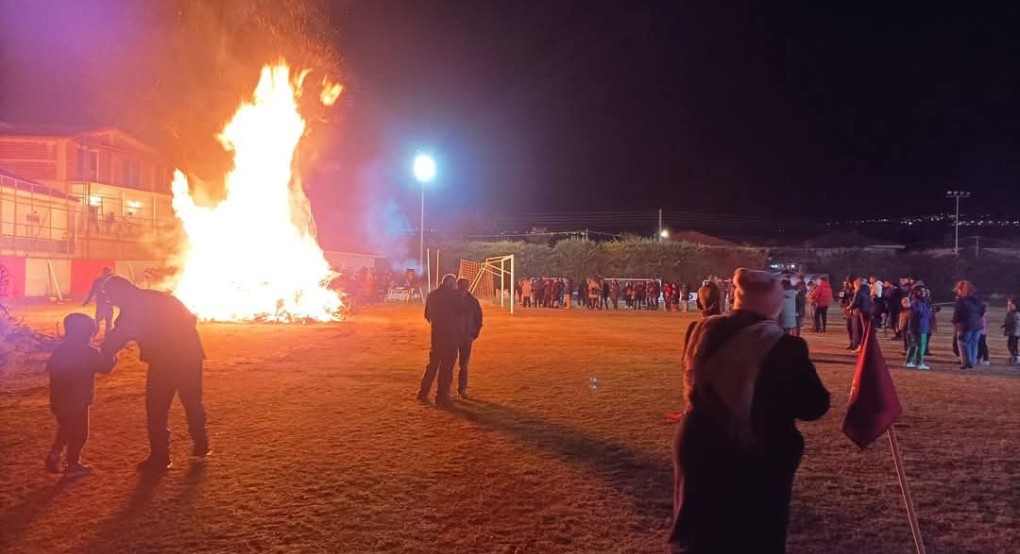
(13, 180)
(696, 237)
(71, 131)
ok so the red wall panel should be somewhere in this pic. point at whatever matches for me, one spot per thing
(83, 272)
(14, 272)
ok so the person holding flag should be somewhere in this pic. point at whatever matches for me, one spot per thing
(737, 447)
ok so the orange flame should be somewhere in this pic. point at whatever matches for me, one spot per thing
(247, 258)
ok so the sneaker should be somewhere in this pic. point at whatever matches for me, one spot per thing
(923, 366)
(77, 469)
(53, 462)
(463, 395)
(909, 365)
(200, 452)
(985, 362)
(153, 465)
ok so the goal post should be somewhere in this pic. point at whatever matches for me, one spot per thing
(492, 277)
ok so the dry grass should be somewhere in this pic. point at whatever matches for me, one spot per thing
(320, 448)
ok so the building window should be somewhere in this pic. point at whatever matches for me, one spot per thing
(88, 165)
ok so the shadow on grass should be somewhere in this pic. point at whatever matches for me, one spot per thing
(17, 519)
(646, 479)
(140, 505)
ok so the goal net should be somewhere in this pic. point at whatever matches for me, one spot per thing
(491, 279)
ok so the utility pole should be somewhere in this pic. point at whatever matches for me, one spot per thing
(977, 246)
(957, 194)
(660, 224)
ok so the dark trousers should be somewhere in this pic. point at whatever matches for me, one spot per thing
(442, 358)
(982, 348)
(1013, 344)
(161, 384)
(859, 321)
(104, 314)
(464, 357)
(821, 318)
(72, 432)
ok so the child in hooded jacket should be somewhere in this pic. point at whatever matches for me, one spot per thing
(72, 368)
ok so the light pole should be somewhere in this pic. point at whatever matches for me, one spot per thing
(957, 194)
(424, 168)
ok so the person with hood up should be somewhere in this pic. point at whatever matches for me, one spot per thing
(968, 314)
(737, 446)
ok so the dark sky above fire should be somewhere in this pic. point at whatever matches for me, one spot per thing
(805, 110)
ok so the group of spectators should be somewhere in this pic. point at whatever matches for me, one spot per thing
(607, 294)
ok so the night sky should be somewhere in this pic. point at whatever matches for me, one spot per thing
(557, 106)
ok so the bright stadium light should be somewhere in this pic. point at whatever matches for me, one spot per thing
(424, 168)
(664, 234)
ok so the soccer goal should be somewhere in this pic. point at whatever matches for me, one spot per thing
(492, 279)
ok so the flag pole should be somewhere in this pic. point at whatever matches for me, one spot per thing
(915, 529)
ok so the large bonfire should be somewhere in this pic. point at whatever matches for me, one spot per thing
(253, 255)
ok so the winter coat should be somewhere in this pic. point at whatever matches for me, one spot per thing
(862, 300)
(471, 319)
(1011, 327)
(444, 308)
(737, 446)
(821, 295)
(72, 369)
(920, 317)
(788, 317)
(163, 328)
(968, 314)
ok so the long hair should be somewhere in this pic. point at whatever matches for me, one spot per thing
(964, 289)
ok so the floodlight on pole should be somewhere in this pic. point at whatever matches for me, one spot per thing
(664, 234)
(424, 169)
(957, 194)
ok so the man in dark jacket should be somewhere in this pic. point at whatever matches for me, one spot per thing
(168, 342)
(737, 446)
(443, 310)
(104, 310)
(471, 326)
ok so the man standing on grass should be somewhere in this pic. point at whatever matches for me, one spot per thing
(443, 309)
(104, 310)
(168, 342)
(471, 326)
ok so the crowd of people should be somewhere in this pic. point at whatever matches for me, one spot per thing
(604, 294)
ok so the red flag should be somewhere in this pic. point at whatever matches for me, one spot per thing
(874, 405)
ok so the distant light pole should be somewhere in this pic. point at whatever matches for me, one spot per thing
(957, 194)
(424, 168)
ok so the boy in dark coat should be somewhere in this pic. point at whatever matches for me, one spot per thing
(471, 326)
(72, 368)
(737, 447)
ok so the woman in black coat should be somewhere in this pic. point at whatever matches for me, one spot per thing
(737, 447)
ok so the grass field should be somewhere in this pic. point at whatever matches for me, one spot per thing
(320, 447)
